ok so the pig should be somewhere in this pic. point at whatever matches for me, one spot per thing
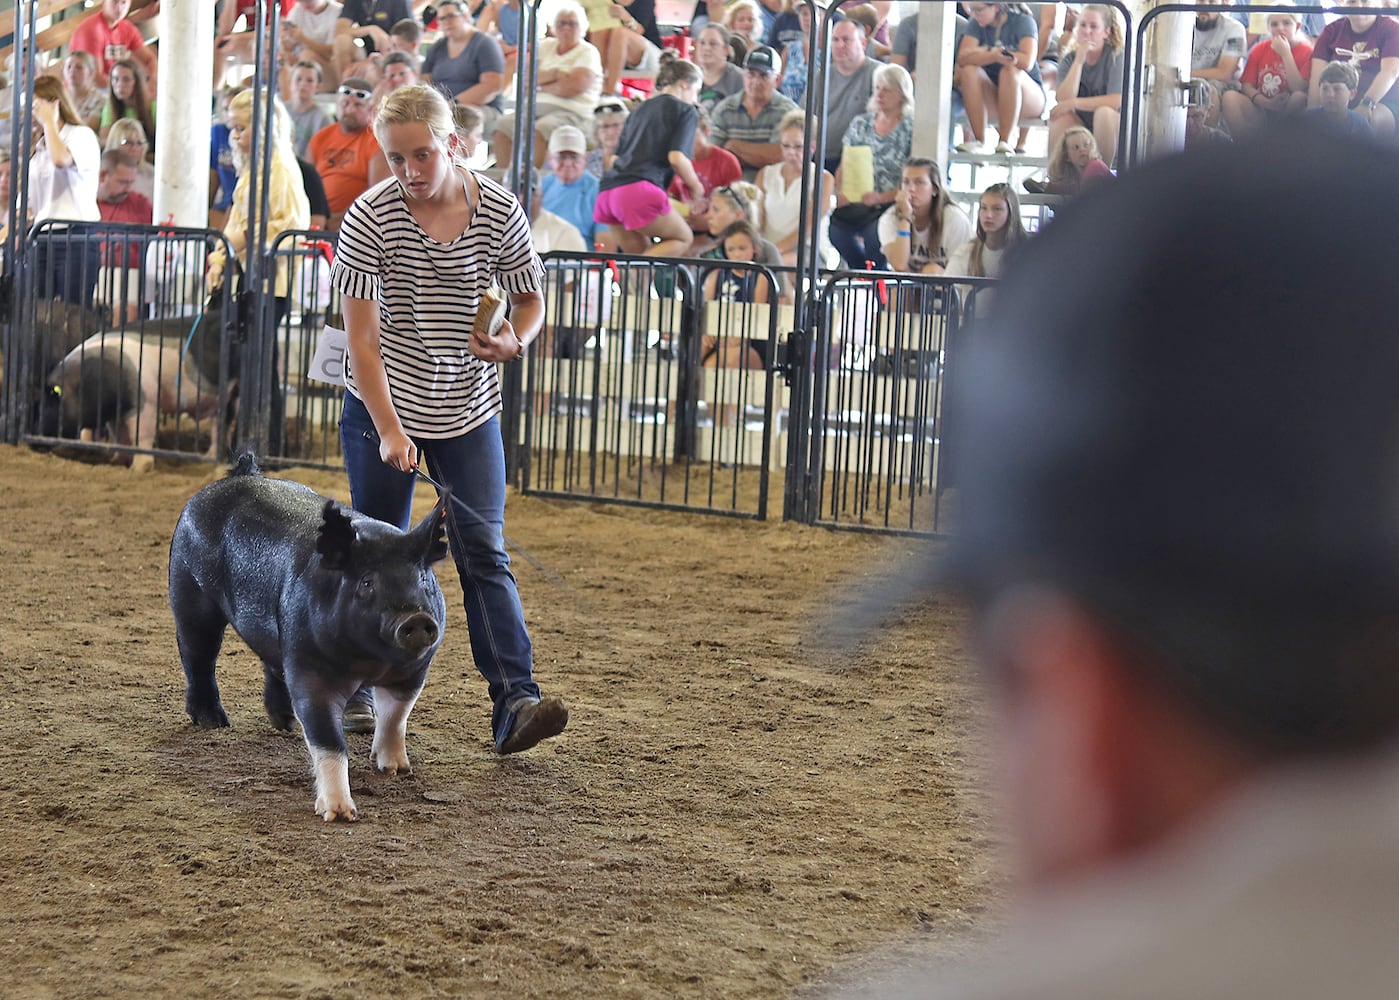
(57, 327)
(328, 598)
(124, 380)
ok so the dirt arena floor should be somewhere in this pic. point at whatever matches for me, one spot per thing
(736, 809)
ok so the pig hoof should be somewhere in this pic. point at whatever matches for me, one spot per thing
(392, 764)
(331, 811)
(143, 463)
(209, 718)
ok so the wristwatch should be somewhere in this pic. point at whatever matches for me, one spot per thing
(1368, 103)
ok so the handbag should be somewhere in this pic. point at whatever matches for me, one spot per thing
(856, 214)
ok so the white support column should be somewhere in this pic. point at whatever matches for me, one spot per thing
(186, 65)
(1167, 67)
(932, 88)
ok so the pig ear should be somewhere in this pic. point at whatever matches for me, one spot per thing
(336, 541)
(430, 534)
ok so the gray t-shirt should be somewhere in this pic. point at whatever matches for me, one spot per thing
(1009, 34)
(1226, 38)
(1097, 80)
(730, 82)
(849, 97)
(306, 124)
(451, 76)
(906, 39)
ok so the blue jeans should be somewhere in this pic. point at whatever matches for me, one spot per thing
(473, 465)
(858, 245)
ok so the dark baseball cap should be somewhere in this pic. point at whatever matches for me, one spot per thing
(1187, 392)
(1181, 413)
(763, 59)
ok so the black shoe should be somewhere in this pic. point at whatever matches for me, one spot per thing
(1033, 185)
(536, 721)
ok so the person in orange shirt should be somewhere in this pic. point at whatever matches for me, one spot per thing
(346, 154)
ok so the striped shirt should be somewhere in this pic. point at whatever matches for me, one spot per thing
(428, 294)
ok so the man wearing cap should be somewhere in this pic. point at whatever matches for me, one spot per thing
(1180, 542)
(746, 124)
(346, 154)
(851, 85)
(549, 233)
(570, 192)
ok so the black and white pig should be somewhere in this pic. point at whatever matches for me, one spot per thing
(57, 328)
(329, 599)
(124, 380)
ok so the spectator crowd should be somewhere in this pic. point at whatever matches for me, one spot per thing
(746, 155)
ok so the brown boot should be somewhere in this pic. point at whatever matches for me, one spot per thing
(536, 721)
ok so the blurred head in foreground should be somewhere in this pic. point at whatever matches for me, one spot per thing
(1180, 538)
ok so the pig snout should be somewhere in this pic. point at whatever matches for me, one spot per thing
(416, 631)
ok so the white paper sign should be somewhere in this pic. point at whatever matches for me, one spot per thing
(329, 363)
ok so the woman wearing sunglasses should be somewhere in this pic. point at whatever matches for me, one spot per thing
(416, 260)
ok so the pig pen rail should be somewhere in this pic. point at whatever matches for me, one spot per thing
(704, 385)
(234, 373)
(665, 382)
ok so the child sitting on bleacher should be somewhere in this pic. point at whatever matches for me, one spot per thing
(1073, 162)
(739, 201)
(1337, 86)
(1275, 77)
(998, 228)
(731, 284)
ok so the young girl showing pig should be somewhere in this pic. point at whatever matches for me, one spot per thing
(418, 252)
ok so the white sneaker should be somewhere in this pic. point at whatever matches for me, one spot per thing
(1004, 147)
(970, 146)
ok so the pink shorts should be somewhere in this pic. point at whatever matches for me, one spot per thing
(632, 206)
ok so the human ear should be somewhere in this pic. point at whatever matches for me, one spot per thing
(1061, 711)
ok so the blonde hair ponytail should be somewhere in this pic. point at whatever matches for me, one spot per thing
(426, 105)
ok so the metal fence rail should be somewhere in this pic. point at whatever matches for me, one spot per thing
(876, 459)
(639, 391)
(122, 348)
(118, 348)
(672, 383)
(310, 395)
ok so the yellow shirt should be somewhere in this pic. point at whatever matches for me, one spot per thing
(287, 206)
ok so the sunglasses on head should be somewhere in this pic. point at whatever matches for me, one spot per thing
(363, 95)
(610, 108)
(737, 197)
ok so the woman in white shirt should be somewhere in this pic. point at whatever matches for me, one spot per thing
(781, 184)
(924, 226)
(998, 228)
(63, 173)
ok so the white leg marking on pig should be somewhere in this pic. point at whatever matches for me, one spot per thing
(333, 785)
(390, 750)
